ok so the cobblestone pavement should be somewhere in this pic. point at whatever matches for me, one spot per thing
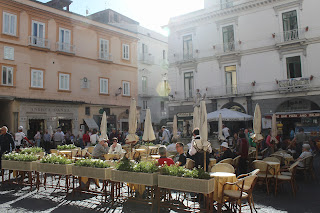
(14, 198)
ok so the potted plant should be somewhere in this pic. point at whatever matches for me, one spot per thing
(53, 164)
(33, 150)
(144, 173)
(70, 147)
(92, 168)
(181, 179)
(19, 162)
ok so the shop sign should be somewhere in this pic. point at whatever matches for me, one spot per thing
(47, 109)
(185, 114)
(302, 115)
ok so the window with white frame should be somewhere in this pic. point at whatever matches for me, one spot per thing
(125, 51)
(188, 84)
(9, 24)
(187, 47)
(144, 51)
(64, 81)
(38, 33)
(290, 25)
(145, 105)
(36, 78)
(144, 84)
(64, 40)
(162, 105)
(126, 88)
(294, 67)
(8, 53)
(7, 76)
(231, 79)
(104, 49)
(104, 86)
(228, 38)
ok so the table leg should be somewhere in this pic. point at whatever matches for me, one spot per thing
(2, 176)
(67, 183)
(30, 180)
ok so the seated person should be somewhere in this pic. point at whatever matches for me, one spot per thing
(227, 153)
(305, 153)
(182, 156)
(115, 148)
(163, 157)
(100, 149)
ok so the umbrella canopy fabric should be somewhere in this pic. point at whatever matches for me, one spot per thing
(205, 145)
(148, 134)
(132, 137)
(220, 135)
(228, 115)
(196, 118)
(274, 129)
(103, 127)
(257, 124)
(175, 127)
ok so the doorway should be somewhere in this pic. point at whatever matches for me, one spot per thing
(34, 126)
(65, 125)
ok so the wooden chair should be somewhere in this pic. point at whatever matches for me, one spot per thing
(234, 197)
(235, 162)
(271, 159)
(223, 167)
(90, 149)
(263, 175)
(308, 167)
(279, 157)
(260, 157)
(249, 183)
(284, 178)
(227, 160)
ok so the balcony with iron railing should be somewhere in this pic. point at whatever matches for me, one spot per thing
(290, 36)
(105, 57)
(294, 84)
(227, 48)
(66, 48)
(38, 42)
(184, 58)
(146, 58)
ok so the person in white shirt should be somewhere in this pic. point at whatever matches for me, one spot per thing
(115, 148)
(19, 137)
(165, 135)
(305, 153)
(225, 132)
(94, 139)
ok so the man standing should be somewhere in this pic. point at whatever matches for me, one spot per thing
(94, 138)
(80, 138)
(19, 137)
(6, 140)
(225, 132)
(47, 141)
(243, 152)
(86, 138)
(182, 160)
(58, 137)
(165, 135)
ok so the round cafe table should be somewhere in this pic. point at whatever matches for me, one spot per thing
(155, 156)
(220, 178)
(274, 167)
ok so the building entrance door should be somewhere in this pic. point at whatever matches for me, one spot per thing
(65, 125)
(34, 126)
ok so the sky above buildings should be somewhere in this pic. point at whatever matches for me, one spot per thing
(151, 14)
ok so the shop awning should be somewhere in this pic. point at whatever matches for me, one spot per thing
(91, 123)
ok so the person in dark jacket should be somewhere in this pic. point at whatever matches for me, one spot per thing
(243, 152)
(6, 140)
(227, 153)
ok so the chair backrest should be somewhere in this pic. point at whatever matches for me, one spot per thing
(279, 157)
(190, 164)
(272, 159)
(255, 172)
(259, 164)
(222, 167)
(249, 182)
(308, 162)
(236, 161)
(90, 149)
(227, 160)
(263, 151)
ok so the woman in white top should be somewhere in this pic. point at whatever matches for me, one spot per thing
(115, 148)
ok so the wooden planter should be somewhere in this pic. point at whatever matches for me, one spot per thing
(148, 179)
(57, 169)
(186, 184)
(19, 165)
(89, 172)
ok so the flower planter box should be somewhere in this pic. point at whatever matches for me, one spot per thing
(41, 154)
(89, 172)
(148, 179)
(57, 169)
(19, 165)
(186, 184)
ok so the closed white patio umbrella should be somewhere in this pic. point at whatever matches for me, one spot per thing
(175, 128)
(103, 127)
(220, 135)
(274, 129)
(206, 146)
(196, 119)
(148, 133)
(132, 137)
(257, 137)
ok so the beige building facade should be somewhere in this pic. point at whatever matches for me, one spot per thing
(61, 69)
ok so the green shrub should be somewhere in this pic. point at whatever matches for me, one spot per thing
(95, 163)
(32, 150)
(20, 157)
(179, 171)
(64, 147)
(146, 167)
(148, 144)
(125, 165)
(53, 159)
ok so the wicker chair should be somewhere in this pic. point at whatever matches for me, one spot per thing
(234, 197)
(222, 167)
(308, 167)
(263, 175)
(279, 157)
(260, 157)
(284, 178)
(227, 160)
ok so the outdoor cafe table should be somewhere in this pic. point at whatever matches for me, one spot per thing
(275, 167)
(155, 156)
(66, 153)
(220, 178)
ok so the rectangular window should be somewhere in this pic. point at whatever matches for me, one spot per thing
(188, 84)
(125, 52)
(144, 51)
(64, 81)
(294, 67)
(104, 86)
(126, 88)
(231, 79)
(290, 25)
(144, 84)
(145, 105)
(187, 47)
(38, 34)
(8, 53)
(64, 40)
(87, 110)
(226, 4)
(9, 24)
(164, 55)
(104, 49)
(7, 76)
(36, 78)
(162, 105)
(228, 38)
